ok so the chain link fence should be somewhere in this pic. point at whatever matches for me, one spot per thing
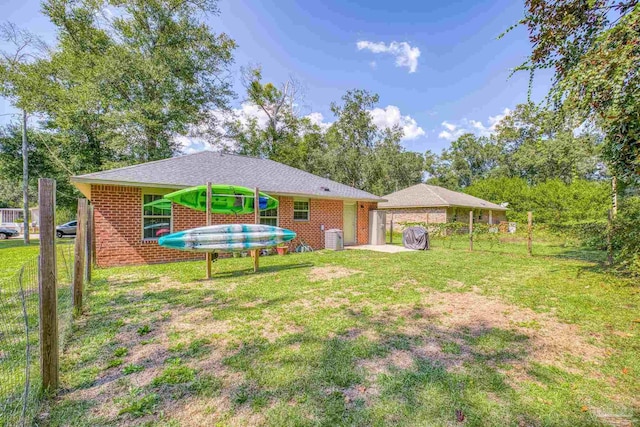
(20, 382)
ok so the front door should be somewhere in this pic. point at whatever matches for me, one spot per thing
(349, 221)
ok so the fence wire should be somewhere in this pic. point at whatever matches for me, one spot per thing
(20, 380)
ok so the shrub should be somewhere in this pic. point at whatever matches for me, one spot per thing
(626, 236)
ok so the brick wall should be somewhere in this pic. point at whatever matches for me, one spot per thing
(118, 223)
(428, 215)
(439, 215)
(462, 215)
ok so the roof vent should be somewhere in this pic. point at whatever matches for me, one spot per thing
(325, 188)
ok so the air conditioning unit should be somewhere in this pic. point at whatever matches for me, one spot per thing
(333, 239)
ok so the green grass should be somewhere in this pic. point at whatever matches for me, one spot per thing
(358, 338)
(18, 286)
(14, 253)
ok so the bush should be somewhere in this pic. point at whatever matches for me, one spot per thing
(626, 236)
(552, 201)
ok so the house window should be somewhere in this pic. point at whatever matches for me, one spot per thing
(156, 222)
(269, 217)
(301, 210)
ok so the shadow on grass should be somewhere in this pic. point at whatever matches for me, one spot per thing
(365, 370)
(262, 270)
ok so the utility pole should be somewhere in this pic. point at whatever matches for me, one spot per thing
(25, 178)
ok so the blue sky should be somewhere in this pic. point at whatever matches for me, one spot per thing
(459, 82)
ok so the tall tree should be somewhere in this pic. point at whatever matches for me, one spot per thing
(536, 144)
(351, 138)
(123, 85)
(593, 47)
(468, 159)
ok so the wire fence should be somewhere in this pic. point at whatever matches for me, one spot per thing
(20, 381)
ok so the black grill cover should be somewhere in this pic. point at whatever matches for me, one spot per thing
(415, 238)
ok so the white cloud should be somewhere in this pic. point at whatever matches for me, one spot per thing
(318, 119)
(391, 116)
(406, 56)
(453, 131)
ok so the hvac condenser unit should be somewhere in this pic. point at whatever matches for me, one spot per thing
(333, 239)
(377, 227)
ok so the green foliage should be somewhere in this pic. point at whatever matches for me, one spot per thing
(626, 235)
(46, 159)
(552, 201)
(136, 405)
(531, 143)
(594, 49)
(175, 373)
(132, 369)
(118, 90)
(352, 150)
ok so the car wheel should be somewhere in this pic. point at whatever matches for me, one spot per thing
(3, 236)
(59, 234)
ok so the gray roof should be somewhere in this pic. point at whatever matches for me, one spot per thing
(424, 195)
(221, 168)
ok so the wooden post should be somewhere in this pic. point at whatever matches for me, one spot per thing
(256, 211)
(609, 232)
(88, 244)
(391, 230)
(47, 285)
(490, 217)
(614, 197)
(530, 233)
(209, 223)
(471, 230)
(79, 252)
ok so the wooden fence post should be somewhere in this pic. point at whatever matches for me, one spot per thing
(47, 285)
(256, 211)
(79, 252)
(88, 244)
(530, 233)
(471, 230)
(209, 255)
(609, 232)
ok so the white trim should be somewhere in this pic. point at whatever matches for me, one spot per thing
(143, 216)
(308, 210)
(269, 217)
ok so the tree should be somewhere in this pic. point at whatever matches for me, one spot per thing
(46, 159)
(468, 159)
(351, 138)
(122, 87)
(593, 47)
(536, 144)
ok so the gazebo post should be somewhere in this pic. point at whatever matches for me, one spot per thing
(256, 212)
(208, 223)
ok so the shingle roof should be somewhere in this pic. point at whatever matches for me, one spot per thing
(424, 195)
(221, 168)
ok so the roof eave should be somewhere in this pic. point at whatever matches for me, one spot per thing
(75, 180)
(490, 208)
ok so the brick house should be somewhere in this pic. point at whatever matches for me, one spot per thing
(125, 231)
(432, 204)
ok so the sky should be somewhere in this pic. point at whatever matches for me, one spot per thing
(438, 67)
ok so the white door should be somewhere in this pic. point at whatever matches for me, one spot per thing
(349, 223)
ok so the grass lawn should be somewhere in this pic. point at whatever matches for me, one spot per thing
(442, 337)
(14, 253)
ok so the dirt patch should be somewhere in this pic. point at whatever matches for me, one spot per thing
(330, 272)
(548, 340)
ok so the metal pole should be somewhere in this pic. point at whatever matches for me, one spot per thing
(25, 178)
